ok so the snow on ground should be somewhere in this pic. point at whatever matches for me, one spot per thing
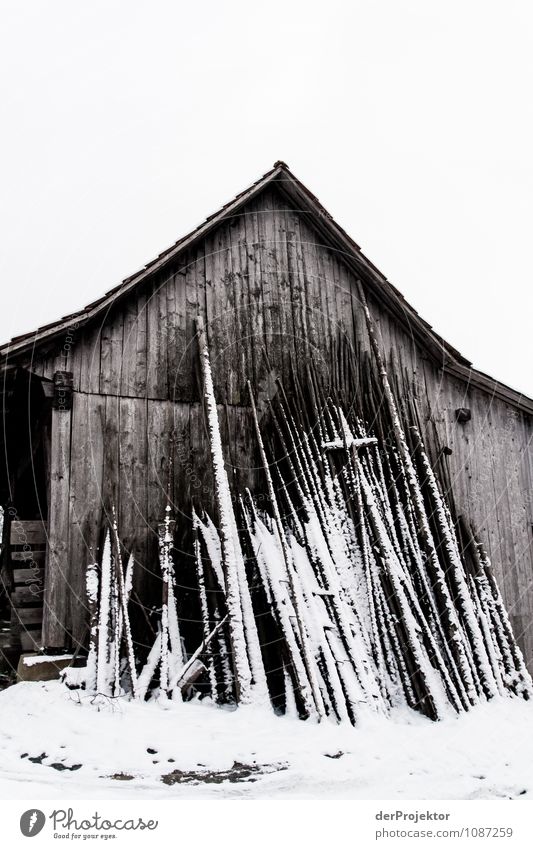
(250, 753)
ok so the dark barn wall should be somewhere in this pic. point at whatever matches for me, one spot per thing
(271, 295)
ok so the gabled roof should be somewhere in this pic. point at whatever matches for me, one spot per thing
(447, 357)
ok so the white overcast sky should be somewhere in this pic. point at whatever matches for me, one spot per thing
(124, 124)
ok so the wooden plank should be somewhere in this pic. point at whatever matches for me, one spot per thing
(157, 354)
(27, 615)
(255, 309)
(285, 237)
(260, 293)
(202, 300)
(133, 517)
(27, 532)
(32, 594)
(248, 329)
(66, 359)
(268, 286)
(220, 328)
(187, 382)
(297, 293)
(62, 357)
(511, 514)
(327, 261)
(180, 370)
(134, 354)
(157, 477)
(171, 328)
(85, 503)
(111, 353)
(275, 270)
(229, 336)
(345, 283)
(246, 473)
(338, 281)
(73, 340)
(27, 576)
(133, 439)
(501, 511)
(240, 323)
(199, 471)
(87, 358)
(185, 474)
(110, 477)
(28, 556)
(209, 284)
(309, 336)
(55, 632)
(160, 450)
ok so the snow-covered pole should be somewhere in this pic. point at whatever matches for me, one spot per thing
(327, 547)
(304, 459)
(306, 654)
(456, 571)
(116, 631)
(149, 668)
(503, 632)
(92, 586)
(279, 608)
(241, 664)
(123, 595)
(176, 648)
(397, 554)
(410, 560)
(103, 671)
(449, 613)
(165, 542)
(181, 675)
(204, 608)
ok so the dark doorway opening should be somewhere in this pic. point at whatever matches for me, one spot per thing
(24, 483)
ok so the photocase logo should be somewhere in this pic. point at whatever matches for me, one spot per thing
(32, 822)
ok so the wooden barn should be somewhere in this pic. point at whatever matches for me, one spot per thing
(104, 412)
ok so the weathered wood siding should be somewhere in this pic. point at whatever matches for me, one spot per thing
(490, 467)
(270, 295)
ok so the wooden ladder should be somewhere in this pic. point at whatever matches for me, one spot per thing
(27, 551)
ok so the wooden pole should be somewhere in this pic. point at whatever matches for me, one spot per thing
(57, 587)
(306, 655)
(228, 532)
(450, 617)
(123, 606)
(92, 587)
(181, 675)
(164, 555)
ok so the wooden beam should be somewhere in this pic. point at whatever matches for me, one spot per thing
(57, 583)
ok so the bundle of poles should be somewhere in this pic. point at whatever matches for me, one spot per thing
(355, 589)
